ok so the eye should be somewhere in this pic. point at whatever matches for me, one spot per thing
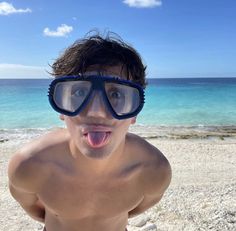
(115, 94)
(81, 92)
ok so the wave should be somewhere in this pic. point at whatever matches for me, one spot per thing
(145, 131)
(185, 132)
(23, 133)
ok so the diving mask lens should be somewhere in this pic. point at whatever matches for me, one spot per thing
(123, 99)
(70, 95)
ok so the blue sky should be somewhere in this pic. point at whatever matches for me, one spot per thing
(178, 38)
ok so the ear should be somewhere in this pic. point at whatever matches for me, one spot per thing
(133, 120)
(62, 117)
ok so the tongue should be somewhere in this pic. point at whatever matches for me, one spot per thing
(97, 139)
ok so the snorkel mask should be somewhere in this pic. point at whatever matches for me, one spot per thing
(70, 95)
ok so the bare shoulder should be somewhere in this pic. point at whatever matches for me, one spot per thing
(27, 167)
(156, 170)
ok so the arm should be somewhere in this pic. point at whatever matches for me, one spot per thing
(155, 181)
(29, 202)
(23, 185)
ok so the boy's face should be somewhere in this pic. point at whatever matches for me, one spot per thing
(94, 131)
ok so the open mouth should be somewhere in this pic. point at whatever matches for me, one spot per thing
(97, 139)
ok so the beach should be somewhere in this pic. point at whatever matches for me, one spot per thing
(201, 196)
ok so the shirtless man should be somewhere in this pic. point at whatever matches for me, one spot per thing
(92, 175)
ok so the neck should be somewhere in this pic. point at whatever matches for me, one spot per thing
(96, 165)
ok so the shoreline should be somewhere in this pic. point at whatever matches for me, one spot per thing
(145, 131)
(184, 132)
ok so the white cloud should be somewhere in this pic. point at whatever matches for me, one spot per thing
(143, 3)
(15, 71)
(61, 31)
(7, 8)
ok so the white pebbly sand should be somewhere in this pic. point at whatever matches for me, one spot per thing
(201, 196)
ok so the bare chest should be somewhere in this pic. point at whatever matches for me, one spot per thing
(78, 197)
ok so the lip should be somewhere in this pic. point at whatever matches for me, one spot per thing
(96, 128)
(107, 139)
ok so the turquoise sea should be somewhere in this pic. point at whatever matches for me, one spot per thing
(169, 102)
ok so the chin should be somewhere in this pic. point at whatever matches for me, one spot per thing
(97, 154)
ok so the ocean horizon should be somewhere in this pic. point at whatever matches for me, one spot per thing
(170, 102)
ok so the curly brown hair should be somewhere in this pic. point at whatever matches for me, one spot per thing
(109, 50)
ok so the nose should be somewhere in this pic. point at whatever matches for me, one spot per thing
(96, 107)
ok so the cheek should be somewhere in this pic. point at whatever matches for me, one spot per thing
(62, 117)
(123, 126)
(133, 120)
(70, 124)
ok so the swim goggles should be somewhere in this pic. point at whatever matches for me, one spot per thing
(70, 95)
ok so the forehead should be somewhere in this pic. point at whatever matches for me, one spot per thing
(113, 71)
